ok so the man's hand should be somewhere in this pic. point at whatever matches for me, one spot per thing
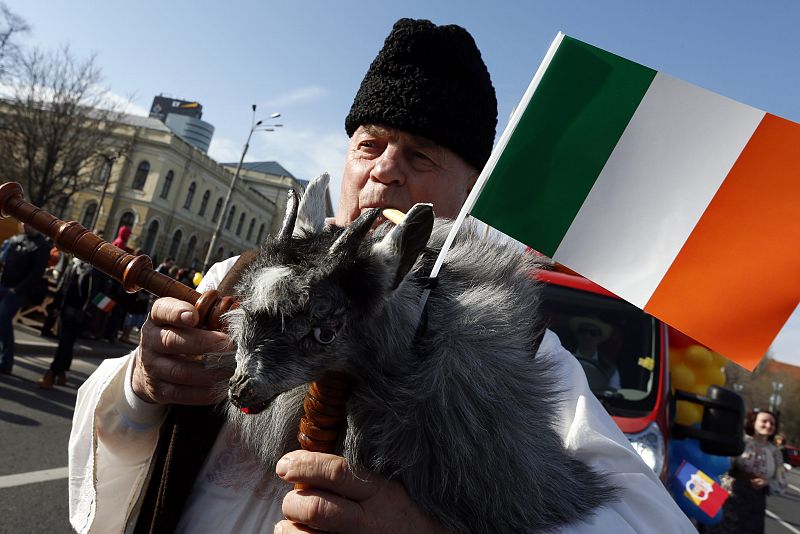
(758, 482)
(168, 366)
(339, 501)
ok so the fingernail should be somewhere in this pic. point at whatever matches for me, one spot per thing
(282, 467)
(187, 318)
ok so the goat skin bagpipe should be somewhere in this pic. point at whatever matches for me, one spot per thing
(325, 403)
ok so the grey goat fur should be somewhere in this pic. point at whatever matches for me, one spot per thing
(459, 411)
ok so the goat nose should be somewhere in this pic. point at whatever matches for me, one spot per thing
(241, 391)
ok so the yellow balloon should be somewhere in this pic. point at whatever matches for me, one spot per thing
(701, 388)
(198, 277)
(718, 359)
(682, 377)
(697, 356)
(688, 413)
(675, 357)
(713, 375)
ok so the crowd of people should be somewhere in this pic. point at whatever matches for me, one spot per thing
(77, 299)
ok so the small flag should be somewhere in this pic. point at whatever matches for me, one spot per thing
(676, 199)
(699, 488)
(103, 302)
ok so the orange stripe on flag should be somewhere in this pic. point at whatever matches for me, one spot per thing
(736, 280)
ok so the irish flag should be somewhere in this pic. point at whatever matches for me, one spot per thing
(678, 200)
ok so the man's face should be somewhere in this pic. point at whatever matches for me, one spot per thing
(389, 168)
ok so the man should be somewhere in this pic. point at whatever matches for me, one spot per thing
(24, 263)
(421, 126)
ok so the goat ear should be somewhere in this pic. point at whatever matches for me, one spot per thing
(289, 219)
(311, 213)
(347, 243)
(404, 243)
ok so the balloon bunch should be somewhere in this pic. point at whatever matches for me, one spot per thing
(713, 466)
(693, 368)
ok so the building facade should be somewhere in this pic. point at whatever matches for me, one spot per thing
(171, 195)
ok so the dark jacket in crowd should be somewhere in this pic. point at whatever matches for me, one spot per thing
(24, 263)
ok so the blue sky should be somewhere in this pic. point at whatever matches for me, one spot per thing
(306, 59)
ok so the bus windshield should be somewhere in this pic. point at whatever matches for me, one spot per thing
(615, 343)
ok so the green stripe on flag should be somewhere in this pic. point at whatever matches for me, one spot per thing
(564, 137)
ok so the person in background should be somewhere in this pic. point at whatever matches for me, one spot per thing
(121, 240)
(76, 290)
(166, 265)
(590, 333)
(24, 264)
(756, 473)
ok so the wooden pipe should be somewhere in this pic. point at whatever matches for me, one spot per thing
(324, 405)
(133, 272)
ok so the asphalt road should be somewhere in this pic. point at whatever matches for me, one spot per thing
(34, 431)
(35, 425)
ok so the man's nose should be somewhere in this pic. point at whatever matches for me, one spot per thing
(389, 168)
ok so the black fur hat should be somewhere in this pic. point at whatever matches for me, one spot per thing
(431, 81)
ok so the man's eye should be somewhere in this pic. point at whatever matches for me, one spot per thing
(324, 335)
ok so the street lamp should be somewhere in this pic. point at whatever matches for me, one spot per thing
(254, 127)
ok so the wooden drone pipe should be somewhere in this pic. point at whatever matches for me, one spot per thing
(133, 272)
(324, 404)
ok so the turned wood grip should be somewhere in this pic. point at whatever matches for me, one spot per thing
(325, 412)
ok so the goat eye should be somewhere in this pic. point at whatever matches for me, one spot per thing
(324, 335)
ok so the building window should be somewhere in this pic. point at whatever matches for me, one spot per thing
(250, 229)
(260, 233)
(150, 238)
(61, 206)
(175, 244)
(231, 213)
(88, 215)
(204, 203)
(167, 184)
(141, 175)
(190, 195)
(217, 209)
(240, 225)
(105, 171)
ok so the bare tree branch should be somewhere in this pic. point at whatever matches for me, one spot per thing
(56, 125)
(11, 27)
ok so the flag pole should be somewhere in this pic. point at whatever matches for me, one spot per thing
(489, 167)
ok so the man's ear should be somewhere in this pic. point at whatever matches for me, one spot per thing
(404, 243)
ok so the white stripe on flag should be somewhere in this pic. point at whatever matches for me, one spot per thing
(676, 151)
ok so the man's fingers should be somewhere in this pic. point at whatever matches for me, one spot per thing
(169, 311)
(321, 510)
(179, 371)
(326, 472)
(175, 340)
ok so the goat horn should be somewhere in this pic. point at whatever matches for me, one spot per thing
(354, 232)
(290, 218)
